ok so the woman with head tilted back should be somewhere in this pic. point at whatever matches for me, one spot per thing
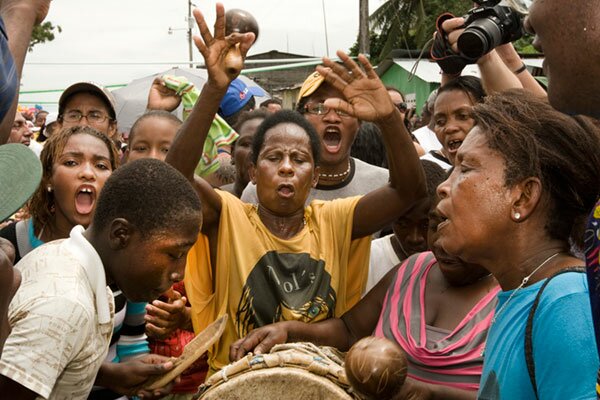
(76, 162)
(280, 259)
(524, 179)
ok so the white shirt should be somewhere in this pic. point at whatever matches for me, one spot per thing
(383, 258)
(61, 318)
(427, 139)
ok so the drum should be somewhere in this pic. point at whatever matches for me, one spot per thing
(290, 371)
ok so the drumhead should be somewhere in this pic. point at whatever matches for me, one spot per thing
(278, 383)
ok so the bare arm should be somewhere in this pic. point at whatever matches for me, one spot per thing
(19, 18)
(14, 390)
(341, 333)
(368, 100)
(513, 61)
(187, 147)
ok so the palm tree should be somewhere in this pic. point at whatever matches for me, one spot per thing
(410, 24)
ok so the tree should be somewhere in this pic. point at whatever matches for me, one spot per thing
(43, 33)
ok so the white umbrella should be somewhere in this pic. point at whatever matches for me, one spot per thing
(133, 98)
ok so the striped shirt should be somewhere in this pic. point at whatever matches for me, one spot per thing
(449, 358)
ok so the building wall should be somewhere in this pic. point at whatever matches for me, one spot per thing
(398, 77)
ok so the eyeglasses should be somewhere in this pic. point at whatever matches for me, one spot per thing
(93, 117)
(403, 107)
(322, 109)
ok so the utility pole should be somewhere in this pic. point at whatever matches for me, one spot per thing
(363, 28)
(325, 25)
(189, 33)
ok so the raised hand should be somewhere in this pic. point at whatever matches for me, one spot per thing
(259, 341)
(366, 96)
(215, 48)
(161, 97)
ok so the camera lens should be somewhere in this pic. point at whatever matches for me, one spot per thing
(479, 38)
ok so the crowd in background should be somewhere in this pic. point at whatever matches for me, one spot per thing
(467, 236)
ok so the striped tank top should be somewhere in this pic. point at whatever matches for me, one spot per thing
(449, 358)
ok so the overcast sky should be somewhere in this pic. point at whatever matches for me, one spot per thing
(135, 31)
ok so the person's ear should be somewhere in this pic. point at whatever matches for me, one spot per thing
(252, 172)
(315, 180)
(120, 233)
(112, 129)
(526, 197)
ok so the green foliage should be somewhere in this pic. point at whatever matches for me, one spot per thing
(525, 46)
(409, 24)
(43, 33)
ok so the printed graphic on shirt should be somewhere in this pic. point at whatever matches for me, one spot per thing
(284, 287)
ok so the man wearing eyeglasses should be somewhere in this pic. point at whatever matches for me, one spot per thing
(86, 103)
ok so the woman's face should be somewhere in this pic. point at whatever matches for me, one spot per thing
(285, 170)
(152, 139)
(78, 175)
(475, 204)
(242, 149)
(452, 120)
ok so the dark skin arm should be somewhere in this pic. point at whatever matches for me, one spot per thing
(14, 390)
(187, 147)
(367, 99)
(341, 333)
(19, 18)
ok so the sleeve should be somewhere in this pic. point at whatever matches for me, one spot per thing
(564, 348)
(132, 341)
(44, 339)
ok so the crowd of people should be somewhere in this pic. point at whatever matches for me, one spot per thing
(468, 238)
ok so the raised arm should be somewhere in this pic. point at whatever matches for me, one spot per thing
(187, 147)
(19, 18)
(368, 100)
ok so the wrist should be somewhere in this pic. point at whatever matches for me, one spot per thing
(23, 12)
(521, 69)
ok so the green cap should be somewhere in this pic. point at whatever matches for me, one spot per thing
(20, 175)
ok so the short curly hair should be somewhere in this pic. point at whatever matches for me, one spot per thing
(286, 117)
(562, 151)
(151, 195)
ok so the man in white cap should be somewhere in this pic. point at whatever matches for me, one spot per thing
(86, 103)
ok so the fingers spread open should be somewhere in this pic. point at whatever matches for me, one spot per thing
(220, 22)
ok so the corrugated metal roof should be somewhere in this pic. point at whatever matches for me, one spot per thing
(429, 71)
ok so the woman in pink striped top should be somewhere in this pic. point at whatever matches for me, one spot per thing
(436, 307)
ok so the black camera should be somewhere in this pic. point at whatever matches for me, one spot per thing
(487, 27)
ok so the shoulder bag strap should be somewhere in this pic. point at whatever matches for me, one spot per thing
(529, 326)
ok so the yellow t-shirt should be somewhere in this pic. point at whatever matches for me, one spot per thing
(261, 279)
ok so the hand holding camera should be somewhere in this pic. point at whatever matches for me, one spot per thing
(464, 40)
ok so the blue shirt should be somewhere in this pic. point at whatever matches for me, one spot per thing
(564, 345)
(8, 74)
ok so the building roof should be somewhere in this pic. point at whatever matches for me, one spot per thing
(429, 71)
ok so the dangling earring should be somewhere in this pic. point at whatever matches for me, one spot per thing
(517, 215)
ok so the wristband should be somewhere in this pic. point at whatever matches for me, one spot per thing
(521, 69)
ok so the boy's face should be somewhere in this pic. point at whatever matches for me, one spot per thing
(152, 139)
(148, 267)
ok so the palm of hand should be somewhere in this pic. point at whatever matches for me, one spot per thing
(368, 100)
